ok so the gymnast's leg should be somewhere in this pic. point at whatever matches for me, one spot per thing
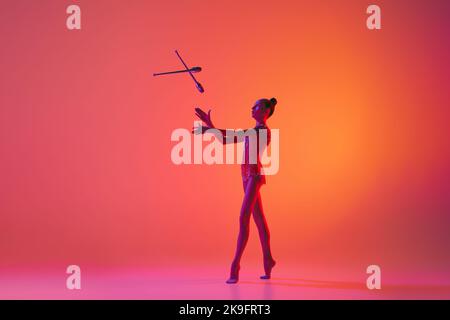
(264, 236)
(251, 190)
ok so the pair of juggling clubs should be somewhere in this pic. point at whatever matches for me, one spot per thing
(188, 70)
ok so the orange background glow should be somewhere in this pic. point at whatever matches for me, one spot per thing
(85, 132)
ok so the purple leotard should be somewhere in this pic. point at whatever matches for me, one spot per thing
(254, 169)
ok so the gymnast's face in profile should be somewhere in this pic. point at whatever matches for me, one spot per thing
(259, 111)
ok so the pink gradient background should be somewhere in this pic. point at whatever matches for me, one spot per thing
(86, 174)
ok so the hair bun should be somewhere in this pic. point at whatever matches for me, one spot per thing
(273, 101)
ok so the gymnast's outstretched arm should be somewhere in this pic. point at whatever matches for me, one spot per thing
(225, 136)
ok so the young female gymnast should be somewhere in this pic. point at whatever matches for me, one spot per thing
(252, 179)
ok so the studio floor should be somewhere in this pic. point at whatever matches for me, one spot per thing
(208, 282)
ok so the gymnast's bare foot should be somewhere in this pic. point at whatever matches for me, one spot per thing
(234, 274)
(268, 265)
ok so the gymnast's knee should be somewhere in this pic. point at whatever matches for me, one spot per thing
(244, 218)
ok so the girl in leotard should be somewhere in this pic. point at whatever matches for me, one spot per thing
(252, 179)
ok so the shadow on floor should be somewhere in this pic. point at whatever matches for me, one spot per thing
(348, 285)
